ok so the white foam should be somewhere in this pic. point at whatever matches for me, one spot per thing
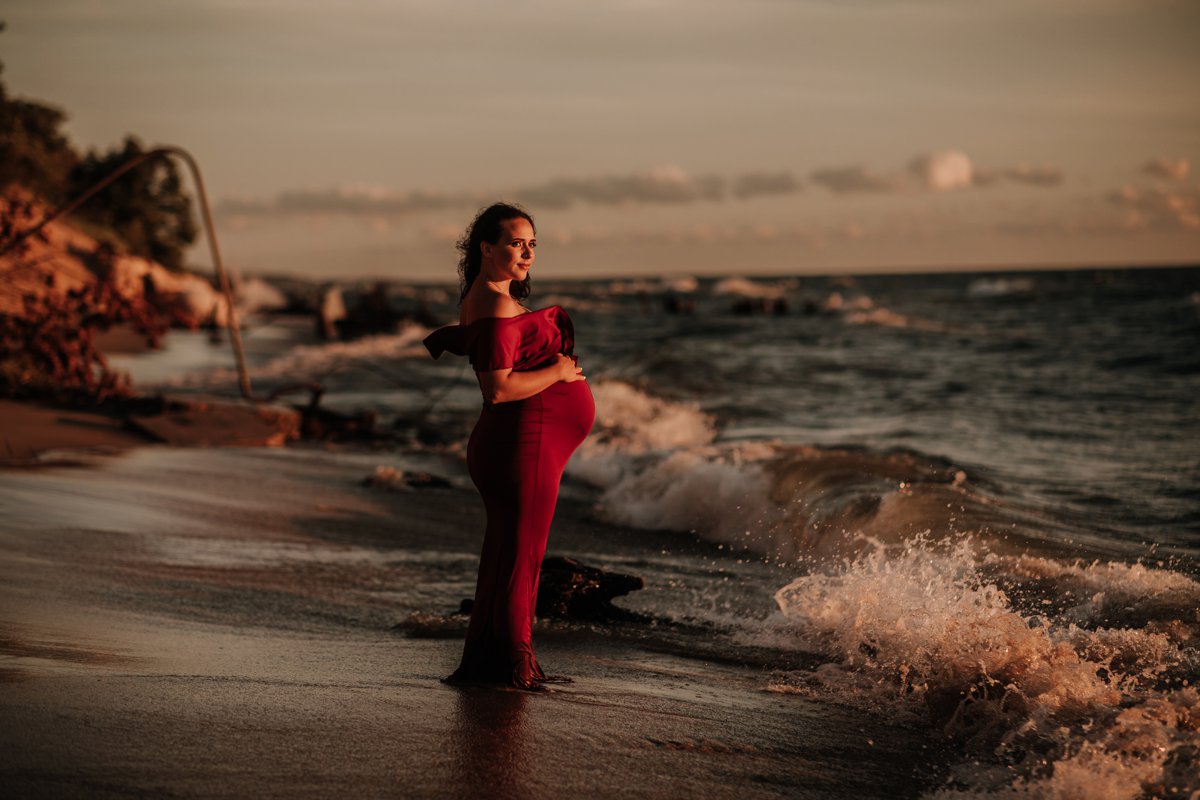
(886, 318)
(1110, 592)
(920, 630)
(861, 310)
(999, 287)
(836, 302)
(255, 294)
(692, 490)
(659, 469)
(309, 362)
(682, 284)
(634, 286)
(631, 424)
(744, 287)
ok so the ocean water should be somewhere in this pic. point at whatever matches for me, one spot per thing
(972, 501)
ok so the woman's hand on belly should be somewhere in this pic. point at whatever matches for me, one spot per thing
(568, 369)
(508, 385)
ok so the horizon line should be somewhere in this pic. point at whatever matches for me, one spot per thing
(899, 271)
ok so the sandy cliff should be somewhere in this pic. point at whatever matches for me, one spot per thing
(66, 258)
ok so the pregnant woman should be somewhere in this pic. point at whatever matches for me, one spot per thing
(537, 409)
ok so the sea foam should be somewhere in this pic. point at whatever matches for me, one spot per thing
(657, 464)
(309, 362)
(660, 465)
(1045, 706)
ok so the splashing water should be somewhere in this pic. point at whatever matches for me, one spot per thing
(1053, 703)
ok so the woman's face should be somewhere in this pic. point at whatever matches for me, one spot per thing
(512, 254)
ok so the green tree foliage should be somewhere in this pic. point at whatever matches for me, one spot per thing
(146, 208)
(33, 150)
(146, 211)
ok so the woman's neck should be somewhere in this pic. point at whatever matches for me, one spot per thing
(499, 287)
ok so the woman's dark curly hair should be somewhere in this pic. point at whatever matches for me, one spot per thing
(486, 228)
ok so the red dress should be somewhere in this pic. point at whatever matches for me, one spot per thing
(516, 456)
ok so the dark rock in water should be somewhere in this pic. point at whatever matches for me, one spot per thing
(431, 626)
(323, 423)
(317, 423)
(351, 314)
(571, 590)
(371, 315)
(748, 306)
(428, 429)
(426, 480)
(392, 478)
(676, 304)
(429, 435)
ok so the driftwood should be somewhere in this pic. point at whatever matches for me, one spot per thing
(201, 421)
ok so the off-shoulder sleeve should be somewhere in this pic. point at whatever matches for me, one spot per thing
(566, 329)
(451, 337)
(496, 347)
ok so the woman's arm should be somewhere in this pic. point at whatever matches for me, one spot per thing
(505, 386)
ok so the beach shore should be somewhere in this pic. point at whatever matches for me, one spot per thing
(221, 622)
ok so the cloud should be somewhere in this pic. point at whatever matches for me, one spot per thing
(350, 200)
(1158, 208)
(664, 185)
(749, 231)
(984, 176)
(855, 178)
(939, 171)
(1041, 175)
(752, 184)
(1173, 169)
(661, 185)
(948, 169)
(1128, 210)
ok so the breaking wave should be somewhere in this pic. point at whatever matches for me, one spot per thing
(660, 465)
(861, 310)
(744, 287)
(1060, 679)
(310, 362)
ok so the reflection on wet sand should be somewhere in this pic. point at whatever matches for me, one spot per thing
(489, 741)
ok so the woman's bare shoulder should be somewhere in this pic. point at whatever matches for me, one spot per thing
(488, 304)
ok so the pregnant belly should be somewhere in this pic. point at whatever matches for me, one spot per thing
(570, 409)
(562, 413)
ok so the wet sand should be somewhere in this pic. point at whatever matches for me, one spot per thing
(203, 623)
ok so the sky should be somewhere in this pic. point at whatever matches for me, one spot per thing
(651, 137)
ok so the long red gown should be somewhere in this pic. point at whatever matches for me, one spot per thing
(516, 456)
